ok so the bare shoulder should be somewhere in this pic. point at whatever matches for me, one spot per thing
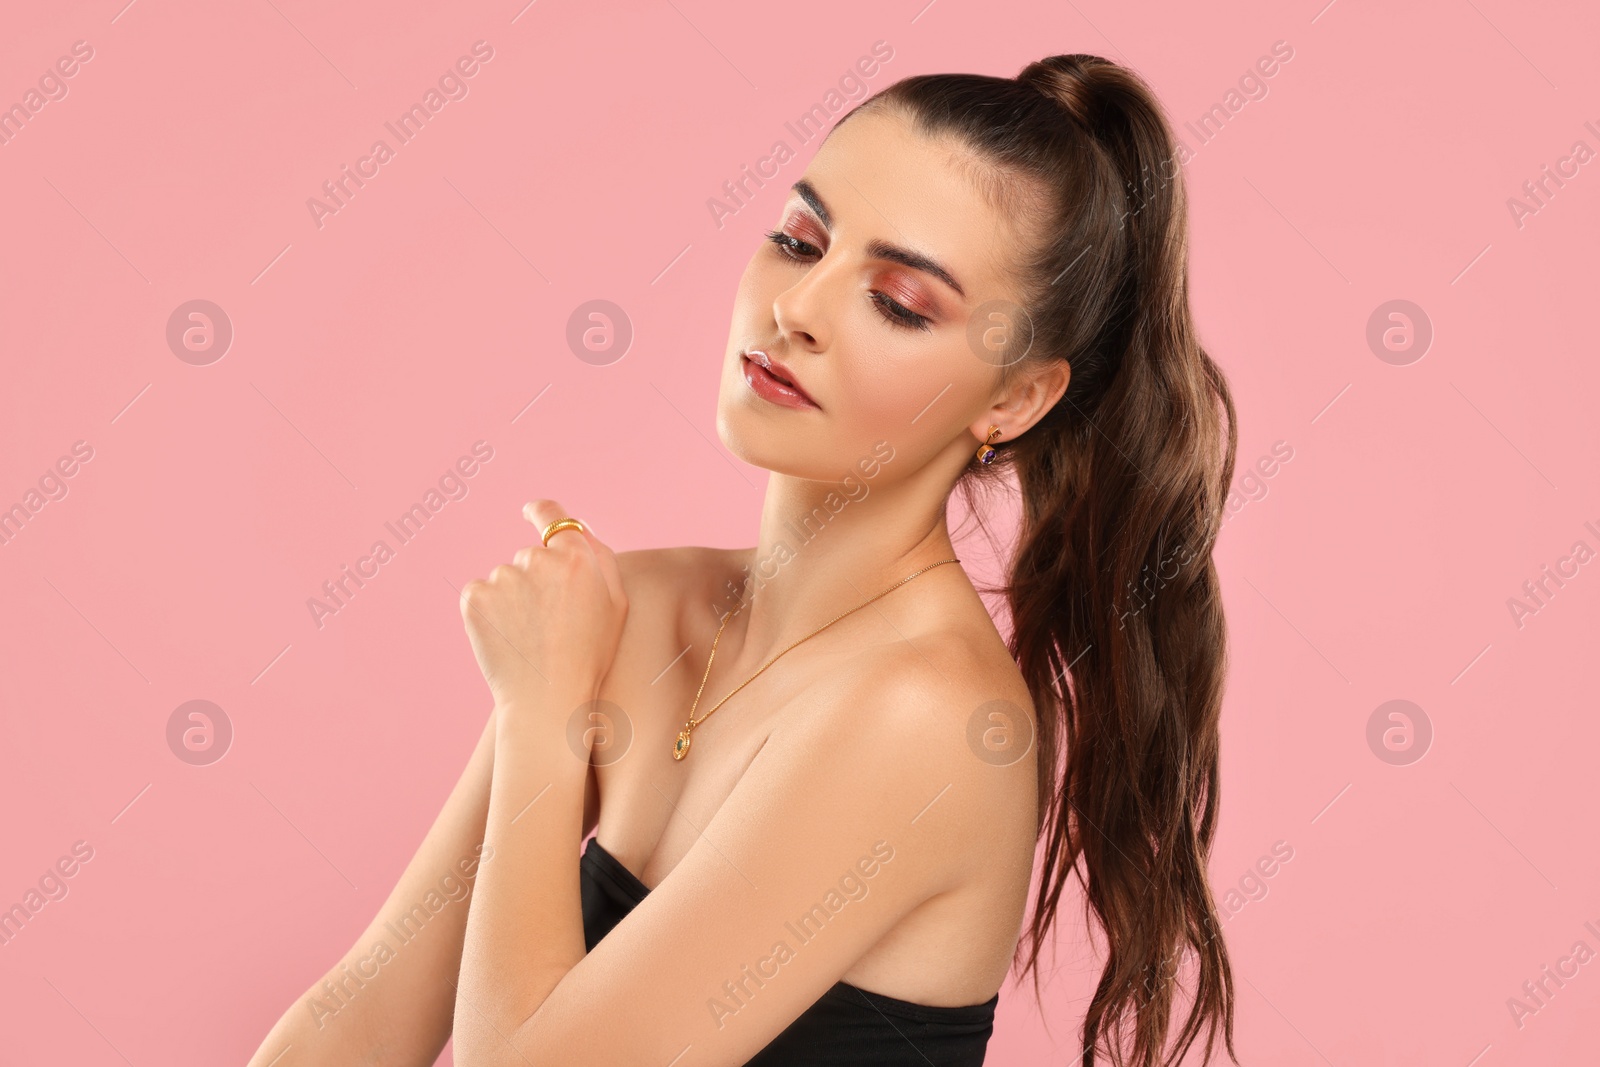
(945, 723)
(942, 693)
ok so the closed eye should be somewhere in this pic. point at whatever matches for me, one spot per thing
(896, 314)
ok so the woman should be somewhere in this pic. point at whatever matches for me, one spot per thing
(829, 862)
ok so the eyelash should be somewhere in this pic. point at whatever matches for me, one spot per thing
(894, 313)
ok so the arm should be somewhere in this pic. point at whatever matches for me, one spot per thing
(402, 1014)
(392, 997)
(840, 827)
(512, 945)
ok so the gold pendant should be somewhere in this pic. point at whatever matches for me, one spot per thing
(680, 748)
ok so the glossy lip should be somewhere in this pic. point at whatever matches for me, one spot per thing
(773, 381)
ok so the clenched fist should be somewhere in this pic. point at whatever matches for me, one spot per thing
(549, 622)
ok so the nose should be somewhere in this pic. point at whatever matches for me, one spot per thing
(803, 310)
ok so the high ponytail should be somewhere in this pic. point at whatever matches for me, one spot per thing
(1115, 606)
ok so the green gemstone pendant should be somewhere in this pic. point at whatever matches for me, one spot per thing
(680, 748)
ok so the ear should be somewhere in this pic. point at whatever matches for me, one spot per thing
(1032, 394)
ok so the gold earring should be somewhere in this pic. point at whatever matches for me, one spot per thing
(986, 452)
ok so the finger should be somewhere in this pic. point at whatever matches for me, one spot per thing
(541, 513)
(544, 512)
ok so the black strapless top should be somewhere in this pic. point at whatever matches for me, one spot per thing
(846, 1027)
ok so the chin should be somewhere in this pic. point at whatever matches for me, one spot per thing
(766, 436)
(761, 443)
(741, 434)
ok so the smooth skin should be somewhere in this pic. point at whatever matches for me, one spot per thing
(856, 739)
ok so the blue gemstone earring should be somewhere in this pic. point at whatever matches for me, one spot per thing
(986, 451)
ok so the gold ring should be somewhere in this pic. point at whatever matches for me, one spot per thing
(559, 525)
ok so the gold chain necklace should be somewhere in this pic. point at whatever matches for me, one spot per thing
(680, 747)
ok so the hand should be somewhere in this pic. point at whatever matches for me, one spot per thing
(551, 620)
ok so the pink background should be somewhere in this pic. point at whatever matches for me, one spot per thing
(370, 353)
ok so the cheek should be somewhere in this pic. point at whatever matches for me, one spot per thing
(907, 389)
(761, 283)
(752, 310)
(883, 396)
(744, 297)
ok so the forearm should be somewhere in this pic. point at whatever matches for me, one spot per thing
(360, 1035)
(525, 929)
(393, 1005)
(389, 1000)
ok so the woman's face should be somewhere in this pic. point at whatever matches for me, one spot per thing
(880, 344)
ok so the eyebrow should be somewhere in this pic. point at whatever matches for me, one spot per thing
(880, 249)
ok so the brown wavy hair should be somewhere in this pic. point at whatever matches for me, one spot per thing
(1115, 607)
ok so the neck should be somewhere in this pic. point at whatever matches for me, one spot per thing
(824, 548)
